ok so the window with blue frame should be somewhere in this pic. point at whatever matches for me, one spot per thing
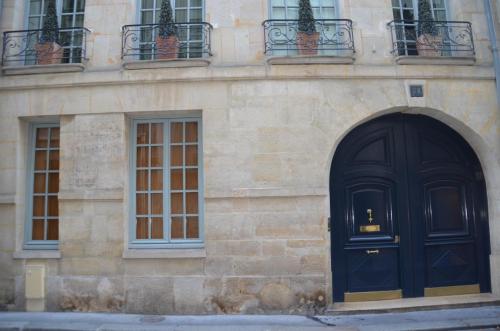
(42, 228)
(70, 16)
(188, 16)
(166, 182)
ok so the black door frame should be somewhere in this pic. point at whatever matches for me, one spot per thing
(412, 285)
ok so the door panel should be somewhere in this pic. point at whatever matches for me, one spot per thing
(370, 211)
(408, 210)
(451, 264)
(372, 269)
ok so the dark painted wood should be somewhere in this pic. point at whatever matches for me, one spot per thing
(423, 183)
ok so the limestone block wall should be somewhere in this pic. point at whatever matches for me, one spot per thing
(269, 136)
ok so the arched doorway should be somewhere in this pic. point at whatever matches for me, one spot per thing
(409, 212)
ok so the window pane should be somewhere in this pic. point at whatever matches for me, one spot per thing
(156, 204)
(38, 206)
(143, 134)
(54, 137)
(39, 184)
(35, 7)
(52, 206)
(38, 230)
(53, 230)
(176, 133)
(176, 179)
(66, 21)
(68, 6)
(177, 228)
(34, 23)
(54, 160)
(278, 3)
(195, 3)
(80, 5)
(142, 157)
(395, 3)
(147, 17)
(147, 4)
(157, 133)
(191, 132)
(195, 15)
(141, 204)
(156, 156)
(192, 227)
(78, 21)
(192, 203)
(141, 180)
(191, 179)
(176, 203)
(40, 160)
(142, 228)
(156, 180)
(176, 156)
(397, 14)
(42, 137)
(191, 155)
(157, 228)
(53, 182)
(181, 3)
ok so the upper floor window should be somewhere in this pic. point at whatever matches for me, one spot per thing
(191, 33)
(166, 183)
(71, 36)
(408, 9)
(327, 35)
(289, 9)
(42, 228)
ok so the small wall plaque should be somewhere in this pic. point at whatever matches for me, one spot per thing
(416, 91)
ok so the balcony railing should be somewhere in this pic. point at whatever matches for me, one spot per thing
(334, 37)
(449, 39)
(22, 48)
(139, 42)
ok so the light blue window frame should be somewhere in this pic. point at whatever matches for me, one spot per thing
(75, 46)
(167, 242)
(187, 39)
(28, 228)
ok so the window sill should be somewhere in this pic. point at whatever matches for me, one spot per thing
(174, 63)
(437, 60)
(315, 59)
(180, 253)
(34, 254)
(43, 69)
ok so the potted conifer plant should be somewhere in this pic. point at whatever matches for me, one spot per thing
(48, 50)
(428, 41)
(307, 36)
(167, 42)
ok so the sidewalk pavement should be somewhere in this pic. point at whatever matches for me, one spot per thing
(480, 318)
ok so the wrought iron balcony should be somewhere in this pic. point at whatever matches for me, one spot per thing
(22, 48)
(333, 37)
(448, 39)
(141, 42)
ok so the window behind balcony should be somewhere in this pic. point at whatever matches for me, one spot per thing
(406, 12)
(70, 16)
(190, 34)
(289, 10)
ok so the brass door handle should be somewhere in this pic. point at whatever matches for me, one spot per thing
(375, 251)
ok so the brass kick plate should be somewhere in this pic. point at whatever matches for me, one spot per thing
(369, 228)
(372, 296)
(451, 290)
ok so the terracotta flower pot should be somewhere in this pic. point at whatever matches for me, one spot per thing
(167, 48)
(429, 45)
(49, 53)
(307, 43)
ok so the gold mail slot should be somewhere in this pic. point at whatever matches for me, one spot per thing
(369, 228)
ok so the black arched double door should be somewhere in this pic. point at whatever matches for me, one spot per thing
(408, 207)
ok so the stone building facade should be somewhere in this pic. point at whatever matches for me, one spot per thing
(268, 124)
